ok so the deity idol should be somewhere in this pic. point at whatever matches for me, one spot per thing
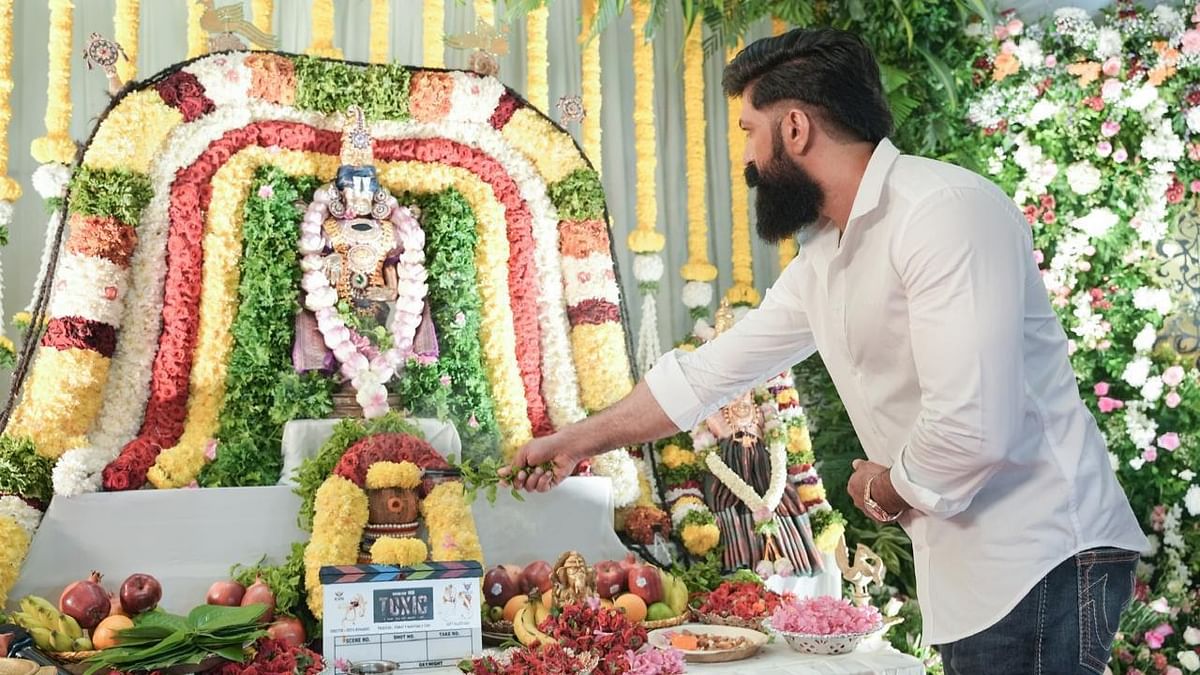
(364, 279)
(759, 513)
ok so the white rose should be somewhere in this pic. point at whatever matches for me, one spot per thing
(1157, 299)
(1193, 119)
(1137, 371)
(1029, 53)
(1191, 501)
(1142, 97)
(1044, 110)
(1192, 636)
(1137, 463)
(1097, 222)
(1161, 606)
(1108, 43)
(648, 267)
(1153, 389)
(1146, 338)
(1084, 178)
(1190, 661)
(1187, 475)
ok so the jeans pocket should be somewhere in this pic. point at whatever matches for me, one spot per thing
(1106, 578)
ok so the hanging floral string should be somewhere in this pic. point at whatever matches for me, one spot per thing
(56, 145)
(698, 272)
(10, 190)
(322, 30)
(787, 247)
(126, 23)
(645, 240)
(264, 13)
(537, 60)
(433, 20)
(591, 86)
(742, 292)
(197, 37)
(380, 31)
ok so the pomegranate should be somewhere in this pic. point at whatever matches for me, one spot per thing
(140, 593)
(226, 593)
(85, 601)
(260, 593)
(289, 629)
(610, 578)
(536, 575)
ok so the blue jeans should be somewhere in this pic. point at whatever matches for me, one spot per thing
(1065, 625)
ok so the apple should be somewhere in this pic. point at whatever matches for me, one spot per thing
(536, 575)
(140, 593)
(646, 583)
(610, 578)
(499, 586)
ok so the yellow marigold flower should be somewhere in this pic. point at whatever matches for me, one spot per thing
(787, 397)
(12, 554)
(7, 344)
(687, 347)
(451, 526)
(799, 442)
(340, 514)
(685, 500)
(700, 539)
(22, 319)
(404, 475)
(675, 456)
(811, 493)
(401, 551)
(827, 539)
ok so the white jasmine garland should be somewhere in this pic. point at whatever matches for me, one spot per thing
(44, 264)
(23, 514)
(225, 77)
(1084, 179)
(648, 267)
(589, 278)
(50, 180)
(618, 467)
(672, 495)
(474, 98)
(92, 281)
(79, 470)
(6, 213)
(697, 294)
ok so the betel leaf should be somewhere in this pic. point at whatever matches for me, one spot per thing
(158, 619)
(210, 618)
(237, 654)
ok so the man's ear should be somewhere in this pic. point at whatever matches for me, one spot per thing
(796, 129)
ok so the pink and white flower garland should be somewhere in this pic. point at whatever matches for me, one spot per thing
(367, 372)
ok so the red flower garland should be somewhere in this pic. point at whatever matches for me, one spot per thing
(73, 332)
(183, 91)
(745, 600)
(390, 447)
(507, 107)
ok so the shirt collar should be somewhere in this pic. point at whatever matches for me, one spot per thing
(871, 187)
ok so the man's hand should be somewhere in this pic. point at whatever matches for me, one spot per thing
(881, 488)
(528, 464)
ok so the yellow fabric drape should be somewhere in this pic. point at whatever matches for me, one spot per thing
(197, 38)
(381, 11)
(56, 145)
(645, 238)
(591, 86)
(10, 190)
(537, 88)
(322, 30)
(433, 27)
(264, 11)
(742, 292)
(787, 247)
(126, 23)
(698, 267)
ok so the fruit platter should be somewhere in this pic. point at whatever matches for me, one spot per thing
(92, 630)
(518, 600)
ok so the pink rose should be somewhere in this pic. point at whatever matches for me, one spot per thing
(1038, 256)
(1111, 88)
(1015, 27)
(266, 192)
(1172, 670)
(1108, 405)
(1169, 441)
(1101, 389)
(1149, 454)
(1000, 32)
(210, 449)
(1120, 155)
(1191, 41)
(1051, 61)
(1104, 148)
(1173, 399)
(1009, 47)
(445, 380)
(1173, 376)
(1110, 128)
(1112, 66)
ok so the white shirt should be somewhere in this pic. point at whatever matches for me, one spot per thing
(933, 321)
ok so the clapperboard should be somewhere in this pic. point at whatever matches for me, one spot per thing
(424, 616)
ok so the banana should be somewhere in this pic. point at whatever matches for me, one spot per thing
(71, 627)
(540, 613)
(519, 628)
(42, 638)
(83, 644)
(43, 607)
(532, 629)
(63, 642)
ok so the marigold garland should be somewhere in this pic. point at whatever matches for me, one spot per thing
(592, 99)
(403, 475)
(12, 554)
(645, 238)
(133, 133)
(126, 22)
(340, 515)
(10, 189)
(742, 292)
(551, 151)
(263, 15)
(56, 145)
(451, 526)
(698, 267)
(197, 37)
(322, 31)
(399, 551)
(433, 27)
(485, 11)
(381, 11)
(537, 89)
(61, 397)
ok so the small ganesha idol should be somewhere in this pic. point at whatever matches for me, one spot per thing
(365, 307)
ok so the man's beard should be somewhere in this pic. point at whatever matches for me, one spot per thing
(787, 199)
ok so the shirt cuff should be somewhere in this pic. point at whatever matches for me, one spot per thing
(674, 394)
(919, 498)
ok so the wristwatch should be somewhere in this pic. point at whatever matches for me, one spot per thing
(872, 507)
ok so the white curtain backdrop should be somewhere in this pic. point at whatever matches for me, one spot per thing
(163, 42)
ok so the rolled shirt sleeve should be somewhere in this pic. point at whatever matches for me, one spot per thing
(963, 262)
(690, 386)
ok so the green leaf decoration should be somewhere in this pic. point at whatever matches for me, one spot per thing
(579, 196)
(110, 192)
(210, 618)
(23, 472)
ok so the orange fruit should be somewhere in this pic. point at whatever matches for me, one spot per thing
(514, 605)
(632, 605)
(104, 636)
